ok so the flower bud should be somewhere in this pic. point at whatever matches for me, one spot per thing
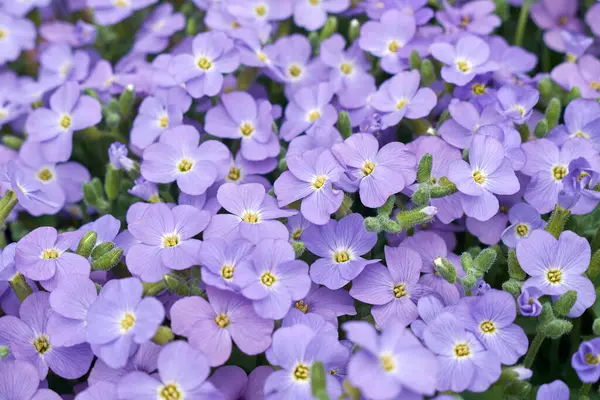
(112, 182)
(575, 93)
(372, 224)
(446, 269)
(421, 196)
(86, 244)
(484, 261)
(594, 268)
(419, 216)
(176, 285)
(353, 30)
(565, 303)
(553, 111)
(126, 101)
(546, 88)
(108, 260)
(469, 282)
(427, 72)
(7, 204)
(557, 221)
(555, 329)
(102, 249)
(3, 351)
(512, 286)
(424, 168)
(11, 141)
(514, 268)
(318, 381)
(415, 60)
(541, 129)
(20, 286)
(547, 314)
(344, 125)
(387, 208)
(596, 327)
(329, 29)
(299, 248)
(466, 260)
(163, 335)
(93, 194)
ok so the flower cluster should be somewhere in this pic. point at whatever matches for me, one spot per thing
(298, 199)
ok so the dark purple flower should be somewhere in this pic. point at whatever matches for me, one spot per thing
(528, 302)
(586, 361)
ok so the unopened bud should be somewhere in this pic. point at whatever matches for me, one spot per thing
(555, 329)
(415, 60)
(112, 182)
(108, 260)
(372, 224)
(446, 269)
(318, 380)
(596, 327)
(3, 351)
(484, 261)
(163, 335)
(126, 100)
(553, 111)
(344, 125)
(424, 168)
(541, 129)
(11, 141)
(427, 73)
(353, 30)
(412, 218)
(421, 196)
(513, 287)
(514, 268)
(565, 303)
(594, 268)
(102, 249)
(299, 248)
(87, 243)
(469, 282)
(329, 29)
(176, 285)
(466, 260)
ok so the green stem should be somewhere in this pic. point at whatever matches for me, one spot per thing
(523, 17)
(20, 286)
(8, 202)
(575, 335)
(557, 221)
(153, 289)
(533, 350)
(585, 389)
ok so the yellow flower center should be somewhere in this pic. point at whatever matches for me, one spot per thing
(300, 305)
(235, 25)
(313, 115)
(260, 10)
(268, 279)
(314, 2)
(295, 70)
(554, 276)
(45, 175)
(127, 322)
(595, 85)
(465, 20)
(582, 176)
(562, 21)
(478, 177)
(368, 168)
(185, 165)
(520, 109)
(204, 63)
(302, 371)
(319, 181)
(261, 56)
(462, 350)
(170, 392)
(387, 363)
(65, 121)
(393, 46)
(559, 172)
(592, 359)
(346, 68)
(581, 134)
(163, 121)
(42, 344)
(252, 217)
(522, 230)
(155, 198)
(400, 290)
(121, 3)
(487, 327)
(234, 174)
(463, 66)
(222, 320)
(227, 271)
(50, 254)
(246, 129)
(170, 240)
(401, 103)
(296, 234)
(478, 89)
(341, 256)
(2, 33)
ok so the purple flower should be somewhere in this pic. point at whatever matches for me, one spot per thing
(54, 127)
(586, 361)
(493, 316)
(42, 256)
(253, 214)
(272, 278)
(120, 319)
(110, 12)
(59, 64)
(70, 303)
(488, 173)
(308, 110)
(148, 191)
(28, 340)
(100, 390)
(377, 368)
(591, 18)
(582, 120)
(390, 39)
(553, 16)
(381, 172)
(18, 34)
(79, 34)
(556, 266)
(476, 17)
(400, 97)
(394, 290)
(182, 371)
(19, 381)
(516, 103)
(467, 120)
(524, 219)
(7, 262)
(233, 383)
(117, 155)
(35, 197)
(312, 14)
(212, 55)
(144, 359)
(462, 62)
(260, 11)
(528, 302)
(478, 91)
(340, 244)
(211, 326)
(179, 157)
(583, 75)
(166, 241)
(241, 117)
(513, 61)
(310, 178)
(578, 193)
(21, 8)
(220, 260)
(154, 117)
(153, 36)
(557, 390)
(295, 349)
(464, 360)
(297, 225)
(324, 302)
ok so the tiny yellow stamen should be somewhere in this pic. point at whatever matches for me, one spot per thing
(487, 327)
(204, 63)
(42, 344)
(462, 350)
(522, 230)
(559, 172)
(155, 198)
(478, 177)
(251, 217)
(163, 121)
(227, 271)
(400, 290)
(170, 392)
(595, 85)
(592, 359)
(295, 70)
(261, 56)
(302, 371)
(319, 181)
(463, 66)
(478, 89)
(121, 3)
(313, 115)
(246, 129)
(393, 46)
(341, 256)
(401, 103)
(127, 322)
(222, 320)
(50, 254)
(2, 33)
(368, 168)
(234, 174)
(581, 134)
(562, 21)
(170, 240)
(45, 175)
(296, 234)
(260, 10)
(554, 276)
(314, 2)
(346, 68)
(300, 305)
(65, 122)
(387, 363)
(465, 21)
(185, 165)
(268, 279)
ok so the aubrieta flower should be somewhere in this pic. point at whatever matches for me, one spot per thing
(17, 34)
(220, 260)
(578, 194)
(381, 172)
(293, 380)
(394, 290)
(28, 339)
(553, 16)
(120, 319)
(586, 361)
(212, 325)
(467, 120)
(582, 74)
(42, 256)
(272, 278)
(239, 116)
(292, 57)
(528, 302)
(394, 363)
(148, 191)
(110, 12)
(19, 381)
(75, 35)
(469, 57)
(400, 97)
(53, 127)
(312, 14)
(233, 383)
(260, 11)
(582, 120)
(524, 219)
(556, 266)
(513, 61)
(154, 117)
(327, 303)
(153, 36)
(516, 103)
(476, 17)
(390, 39)
(557, 390)
(212, 55)
(348, 69)
(310, 178)
(309, 108)
(488, 173)
(58, 64)
(429, 308)
(166, 240)
(253, 214)
(179, 156)
(117, 156)
(182, 371)
(340, 245)
(144, 359)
